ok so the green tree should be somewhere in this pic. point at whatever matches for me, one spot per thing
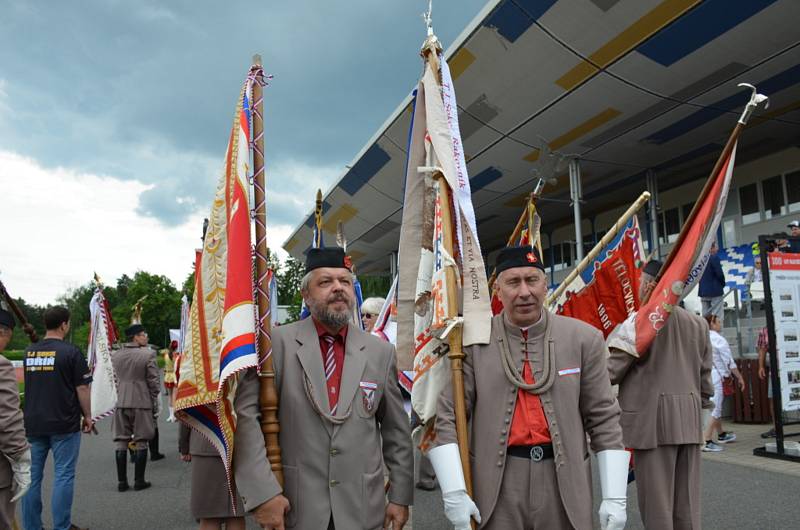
(289, 278)
(375, 285)
(188, 286)
(35, 315)
(161, 310)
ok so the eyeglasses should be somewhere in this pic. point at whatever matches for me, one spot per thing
(368, 315)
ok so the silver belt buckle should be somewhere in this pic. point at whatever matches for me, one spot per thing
(537, 453)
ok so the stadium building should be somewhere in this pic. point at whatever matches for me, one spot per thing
(603, 99)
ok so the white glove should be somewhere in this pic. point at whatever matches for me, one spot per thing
(613, 467)
(21, 468)
(458, 506)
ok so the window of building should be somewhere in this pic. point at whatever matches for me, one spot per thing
(774, 201)
(686, 209)
(793, 190)
(588, 243)
(748, 201)
(670, 226)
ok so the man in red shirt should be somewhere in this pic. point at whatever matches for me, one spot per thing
(533, 394)
(341, 418)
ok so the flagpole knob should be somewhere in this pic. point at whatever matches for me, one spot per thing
(257, 59)
(755, 100)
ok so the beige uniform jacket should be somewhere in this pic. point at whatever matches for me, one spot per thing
(580, 402)
(137, 377)
(12, 427)
(328, 469)
(662, 394)
(193, 443)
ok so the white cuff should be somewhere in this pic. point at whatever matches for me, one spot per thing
(446, 462)
(613, 467)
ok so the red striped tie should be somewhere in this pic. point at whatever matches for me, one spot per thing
(330, 368)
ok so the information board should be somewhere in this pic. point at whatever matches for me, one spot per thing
(784, 279)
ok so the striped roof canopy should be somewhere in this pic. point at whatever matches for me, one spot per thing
(625, 85)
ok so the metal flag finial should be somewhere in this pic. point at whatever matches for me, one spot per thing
(427, 17)
(755, 100)
(431, 42)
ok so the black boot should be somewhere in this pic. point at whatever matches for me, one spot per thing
(141, 463)
(122, 470)
(153, 443)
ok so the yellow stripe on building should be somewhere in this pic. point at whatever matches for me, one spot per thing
(460, 62)
(635, 34)
(344, 213)
(581, 130)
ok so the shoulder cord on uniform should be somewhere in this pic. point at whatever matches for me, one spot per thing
(336, 420)
(513, 375)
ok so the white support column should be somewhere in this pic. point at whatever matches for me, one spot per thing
(575, 195)
(653, 207)
(393, 264)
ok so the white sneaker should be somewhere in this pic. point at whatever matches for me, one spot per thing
(171, 419)
(725, 437)
(711, 447)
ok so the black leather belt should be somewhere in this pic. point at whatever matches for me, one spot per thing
(536, 453)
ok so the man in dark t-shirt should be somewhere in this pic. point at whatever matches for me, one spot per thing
(57, 394)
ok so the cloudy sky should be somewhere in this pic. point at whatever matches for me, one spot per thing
(114, 118)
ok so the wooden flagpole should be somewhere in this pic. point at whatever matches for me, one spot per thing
(268, 394)
(455, 338)
(523, 218)
(755, 100)
(611, 234)
(26, 326)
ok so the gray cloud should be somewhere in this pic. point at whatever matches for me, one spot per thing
(146, 90)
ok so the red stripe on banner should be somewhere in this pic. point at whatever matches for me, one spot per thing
(653, 315)
(239, 286)
(185, 389)
(241, 340)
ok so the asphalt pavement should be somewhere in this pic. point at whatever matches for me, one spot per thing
(99, 506)
(734, 496)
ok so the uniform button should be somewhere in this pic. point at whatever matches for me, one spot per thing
(334, 483)
(504, 431)
(510, 401)
(506, 420)
(499, 463)
(502, 441)
(508, 411)
(499, 453)
(334, 452)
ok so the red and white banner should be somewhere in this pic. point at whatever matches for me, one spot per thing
(102, 335)
(637, 333)
(607, 291)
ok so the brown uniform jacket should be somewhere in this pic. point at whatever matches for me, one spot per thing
(193, 443)
(137, 377)
(328, 469)
(578, 403)
(662, 394)
(12, 427)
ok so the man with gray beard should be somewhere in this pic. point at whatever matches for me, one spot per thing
(341, 418)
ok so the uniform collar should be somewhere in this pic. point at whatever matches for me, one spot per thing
(534, 330)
